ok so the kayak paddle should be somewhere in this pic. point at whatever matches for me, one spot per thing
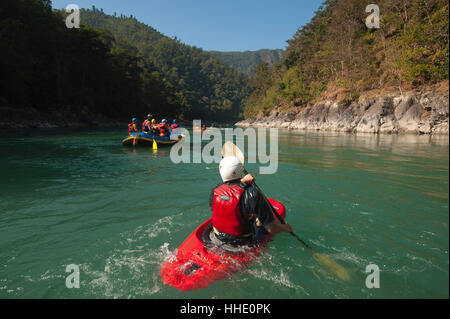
(229, 149)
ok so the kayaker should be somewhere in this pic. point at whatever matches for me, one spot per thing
(164, 129)
(146, 126)
(241, 216)
(132, 127)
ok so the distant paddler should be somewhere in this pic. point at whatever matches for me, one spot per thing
(164, 129)
(147, 125)
(154, 128)
(132, 127)
(174, 125)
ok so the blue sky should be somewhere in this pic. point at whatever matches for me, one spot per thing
(222, 25)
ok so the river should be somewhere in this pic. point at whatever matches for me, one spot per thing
(79, 197)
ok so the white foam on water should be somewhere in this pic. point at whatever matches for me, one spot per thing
(47, 276)
(28, 278)
(270, 268)
(279, 278)
(135, 266)
(162, 225)
(420, 262)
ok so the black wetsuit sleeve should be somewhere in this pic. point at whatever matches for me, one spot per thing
(252, 203)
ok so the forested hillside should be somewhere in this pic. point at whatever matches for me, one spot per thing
(205, 86)
(336, 50)
(113, 66)
(246, 61)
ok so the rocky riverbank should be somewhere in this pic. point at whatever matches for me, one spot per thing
(424, 111)
(66, 117)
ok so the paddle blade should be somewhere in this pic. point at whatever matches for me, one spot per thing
(337, 269)
(155, 145)
(229, 149)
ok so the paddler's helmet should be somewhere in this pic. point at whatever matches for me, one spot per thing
(164, 121)
(174, 121)
(133, 119)
(153, 121)
(230, 168)
(149, 116)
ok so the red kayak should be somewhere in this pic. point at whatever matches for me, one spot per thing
(197, 263)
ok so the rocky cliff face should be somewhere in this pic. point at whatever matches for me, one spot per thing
(422, 112)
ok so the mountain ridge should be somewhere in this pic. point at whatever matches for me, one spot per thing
(207, 86)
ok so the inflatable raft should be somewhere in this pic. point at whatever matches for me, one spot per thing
(198, 262)
(145, 139)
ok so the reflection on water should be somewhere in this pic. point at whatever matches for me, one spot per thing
(358, 151)
(407, 144)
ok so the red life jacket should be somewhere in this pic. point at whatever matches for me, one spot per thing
(227, 217)
(131, 128)
(163, 128)
(174, 126)
(144, 125)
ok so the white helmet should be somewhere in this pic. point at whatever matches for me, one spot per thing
(230, 168)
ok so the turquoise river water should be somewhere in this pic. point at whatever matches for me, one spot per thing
(79, 197)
